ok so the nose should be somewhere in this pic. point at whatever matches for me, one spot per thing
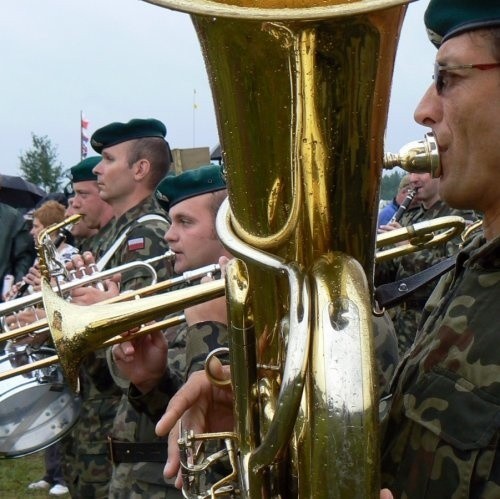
(170, 235)
(428, 111)
(97, 170)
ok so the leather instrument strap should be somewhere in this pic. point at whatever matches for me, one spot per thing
(389, 295)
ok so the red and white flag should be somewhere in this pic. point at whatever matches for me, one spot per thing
(84, 136)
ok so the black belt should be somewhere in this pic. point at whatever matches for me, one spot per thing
(136, 452)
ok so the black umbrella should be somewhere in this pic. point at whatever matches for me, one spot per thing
(19, 193)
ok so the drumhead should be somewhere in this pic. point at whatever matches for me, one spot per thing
(36, 409)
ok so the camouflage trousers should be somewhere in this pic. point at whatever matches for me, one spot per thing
(87, 474)
(128, 482)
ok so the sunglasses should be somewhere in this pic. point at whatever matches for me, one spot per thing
(440, 72)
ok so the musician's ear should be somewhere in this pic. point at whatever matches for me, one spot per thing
(142, 168)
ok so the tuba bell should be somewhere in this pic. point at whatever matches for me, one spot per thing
(301, 91)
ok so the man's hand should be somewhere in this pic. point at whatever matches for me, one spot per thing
(23, 318)
(388, 228)
(34, 278)
(202, 407)
(88, 295)
(143, 361)
(82, 265)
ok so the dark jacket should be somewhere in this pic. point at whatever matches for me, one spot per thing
(17, 250)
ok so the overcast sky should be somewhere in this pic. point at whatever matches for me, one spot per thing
(121, 59)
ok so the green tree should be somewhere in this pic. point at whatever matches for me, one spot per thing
(40, 164)
(389, 185)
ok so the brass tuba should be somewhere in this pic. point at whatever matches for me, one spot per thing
(301, 91)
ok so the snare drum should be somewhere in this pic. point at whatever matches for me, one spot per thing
(37, 408)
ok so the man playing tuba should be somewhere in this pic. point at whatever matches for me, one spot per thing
(442, 435)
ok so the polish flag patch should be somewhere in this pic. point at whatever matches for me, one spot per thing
(136, 244)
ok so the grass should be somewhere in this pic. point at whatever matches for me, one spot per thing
(16, 474)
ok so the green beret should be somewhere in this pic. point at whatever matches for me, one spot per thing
(116, 133)
(176, 188)
(445, 19)
(83, 170)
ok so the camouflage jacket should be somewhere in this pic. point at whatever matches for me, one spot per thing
(144, 240)
(443, 433)
(407, 315)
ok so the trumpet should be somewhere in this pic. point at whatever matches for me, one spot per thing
(36, 298)
(24, 287)
(77, 331)
(43, 325)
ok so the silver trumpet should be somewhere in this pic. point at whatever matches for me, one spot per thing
(36, 298)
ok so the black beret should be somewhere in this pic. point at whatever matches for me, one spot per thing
(83, 170)
(176, 188)
(116, 133)
(445, 19)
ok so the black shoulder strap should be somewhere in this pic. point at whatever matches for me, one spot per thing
(389, 295)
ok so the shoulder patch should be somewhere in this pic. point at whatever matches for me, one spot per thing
(136, 244)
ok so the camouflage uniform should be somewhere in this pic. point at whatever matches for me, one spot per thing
(386, 351)
(443, 438)
(406, 316)
(88, 469)
(139, 480)
(144, 240)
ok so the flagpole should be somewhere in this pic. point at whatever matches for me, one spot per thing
(81, 132)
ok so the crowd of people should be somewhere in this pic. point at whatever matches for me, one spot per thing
(440, 430)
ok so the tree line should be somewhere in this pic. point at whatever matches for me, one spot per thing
(40, 164)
